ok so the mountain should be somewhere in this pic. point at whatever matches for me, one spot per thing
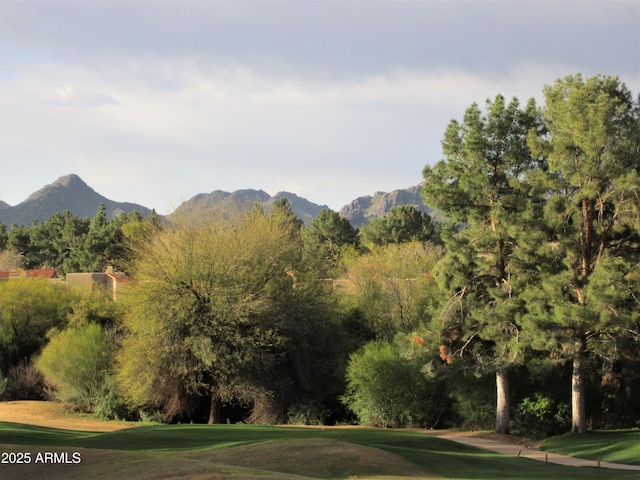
(305, 209)
(361, 210)
(219, 200)
(67, 193)
(242, 199)
(73, 194)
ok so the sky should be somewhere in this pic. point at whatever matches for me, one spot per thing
(155, 101)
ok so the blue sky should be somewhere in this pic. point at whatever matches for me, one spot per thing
(155, 101)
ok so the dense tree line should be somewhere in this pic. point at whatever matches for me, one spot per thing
(68, 243)
(520, 311)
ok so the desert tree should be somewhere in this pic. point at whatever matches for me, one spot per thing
(392, 286)
(203, 313)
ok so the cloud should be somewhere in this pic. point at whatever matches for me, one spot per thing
(334, 99)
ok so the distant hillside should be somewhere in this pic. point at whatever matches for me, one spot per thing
(302, 207)
(67, 193)
(73, 194)
(242, 199)
(202, 203)
(361, 210)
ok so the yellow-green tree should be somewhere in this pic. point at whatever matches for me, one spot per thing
(204, 315)
(29, 308)
(392, 286)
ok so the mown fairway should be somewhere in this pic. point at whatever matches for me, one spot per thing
(240, 451)
(619, 446)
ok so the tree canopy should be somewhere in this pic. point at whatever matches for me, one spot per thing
(585, 258)
(481, 188)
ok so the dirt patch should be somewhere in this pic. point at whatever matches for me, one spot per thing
(318, 458)
(115, 465)
(55, 415)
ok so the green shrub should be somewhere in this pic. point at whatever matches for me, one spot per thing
(474, 400)
(307, 412)
(541, 416)
(75, 363)
(107, 404)
(385, 388)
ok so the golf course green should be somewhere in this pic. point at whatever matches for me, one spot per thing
(247, 451)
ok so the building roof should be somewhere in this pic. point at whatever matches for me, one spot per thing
(40, 273)
(35, 273)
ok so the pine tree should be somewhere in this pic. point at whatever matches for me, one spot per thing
(480, 188)
(584, 257)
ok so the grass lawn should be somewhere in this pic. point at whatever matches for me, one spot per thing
(242, 451)
(619, 446)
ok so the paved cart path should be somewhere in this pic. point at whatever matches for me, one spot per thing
(507, 448)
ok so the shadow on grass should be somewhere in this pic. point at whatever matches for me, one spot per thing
(617, 446)
(431, 454)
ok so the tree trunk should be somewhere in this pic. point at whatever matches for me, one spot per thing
(578, 413)
(215, 411)
(502, 401)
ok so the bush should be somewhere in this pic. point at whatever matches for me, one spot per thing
(107, 404)
(474, 400)
(541, 416)
(25, 382)
(307, 412)
(75, 363)
(387, 389)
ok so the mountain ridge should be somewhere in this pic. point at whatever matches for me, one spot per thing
(68, 192)
(362, 209)
(71, 193)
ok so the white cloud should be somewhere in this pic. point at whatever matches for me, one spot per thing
(205, 127)
(329, 100)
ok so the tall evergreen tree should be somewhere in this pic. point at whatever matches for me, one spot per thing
(326, 237)
(480, 188)
(584, 261)
(19, 241)
(103, 244)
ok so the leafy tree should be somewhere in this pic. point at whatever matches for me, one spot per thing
(585, 259)
(393, 286)
(134, 226)
(201, 319)
(10, 260)
(325, 240)
(282, 209)
(480, 188)
(404, 223)
(29, 308)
